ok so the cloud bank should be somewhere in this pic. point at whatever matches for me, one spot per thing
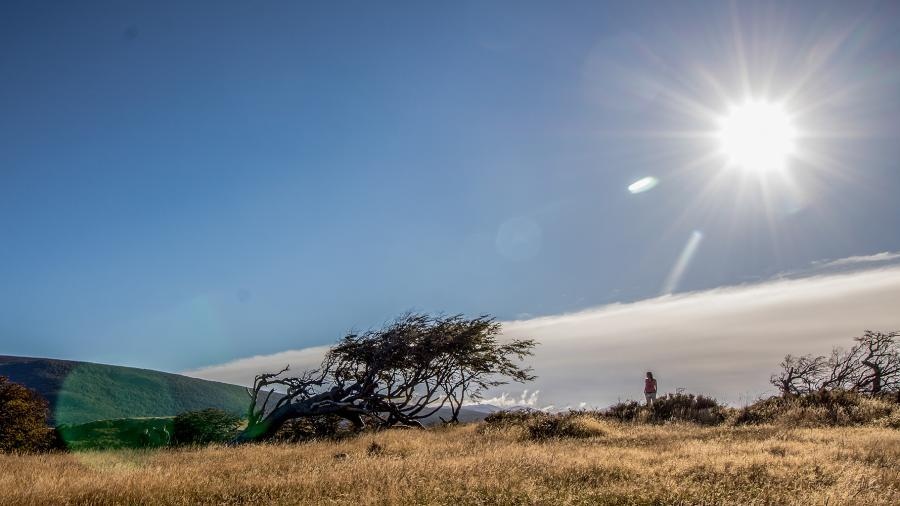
(884, 256)
(243, 370)
(723, 342)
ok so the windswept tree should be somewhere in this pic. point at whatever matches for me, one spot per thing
(400, 374)
(871, 365)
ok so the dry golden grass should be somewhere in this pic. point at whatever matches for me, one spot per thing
(621, 464)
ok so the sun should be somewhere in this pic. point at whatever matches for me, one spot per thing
(757, 136)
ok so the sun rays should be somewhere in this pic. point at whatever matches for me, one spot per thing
(752, 127)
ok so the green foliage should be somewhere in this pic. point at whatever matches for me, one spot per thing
(148, 432)
(23, 420)
(204, 427)
(401, 374)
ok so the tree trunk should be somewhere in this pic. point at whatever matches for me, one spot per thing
(314, 406)
(876, 376)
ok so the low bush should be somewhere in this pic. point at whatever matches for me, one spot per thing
(627, 411)
(203, 427)
(313, 428)
(144, 432)
(891, 421)
(823, 408)
(671, 408)
(539, 426)
(510, 418)
(564, 426)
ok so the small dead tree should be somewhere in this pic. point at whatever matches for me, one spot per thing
(799, 375)
(400, 374)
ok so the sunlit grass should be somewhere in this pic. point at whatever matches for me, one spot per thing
(621, 464)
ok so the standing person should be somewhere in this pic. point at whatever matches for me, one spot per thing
(650, 388)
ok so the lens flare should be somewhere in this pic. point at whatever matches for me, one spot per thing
(683, 262)
(643, 184)
(757, 136)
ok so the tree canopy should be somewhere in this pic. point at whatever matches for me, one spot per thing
(23, 419)
(399, 374)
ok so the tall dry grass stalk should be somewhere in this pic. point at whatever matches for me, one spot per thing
(620, 464)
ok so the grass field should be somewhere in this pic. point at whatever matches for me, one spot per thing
(620, 464)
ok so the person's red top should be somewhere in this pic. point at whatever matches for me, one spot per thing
(649, 386)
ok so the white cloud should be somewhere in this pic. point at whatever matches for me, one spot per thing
(724, 342)
(242, 371)
(884, 256)
(505, 400)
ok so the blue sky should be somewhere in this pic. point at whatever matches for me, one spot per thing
(185, 185)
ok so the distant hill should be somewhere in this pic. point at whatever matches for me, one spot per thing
(80, 392)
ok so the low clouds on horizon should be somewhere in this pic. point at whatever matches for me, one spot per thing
(723, 342)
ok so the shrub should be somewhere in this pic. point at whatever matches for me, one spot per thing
(564, 426)
(331, 427)
(671, 408)
(510, 418)
(143, 432)
(627, 411)
(827, 407)
(688, 408)
(538, 425)
(23, 420)
(205, 426)
(891, 421)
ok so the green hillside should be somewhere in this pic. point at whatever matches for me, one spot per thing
(81, 392)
